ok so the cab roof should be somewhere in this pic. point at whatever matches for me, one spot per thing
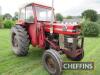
(38, 5)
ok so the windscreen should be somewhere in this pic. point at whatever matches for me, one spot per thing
(44, 14)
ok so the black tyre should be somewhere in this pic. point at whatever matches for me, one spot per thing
(52, 62)
(19, 40)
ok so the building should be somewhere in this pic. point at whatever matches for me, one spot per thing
(72, 21)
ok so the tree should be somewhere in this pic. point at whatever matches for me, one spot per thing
(7, 16)
(1, 22)
(90, 28)
(90, 15)
(8, 23)
(59, 17)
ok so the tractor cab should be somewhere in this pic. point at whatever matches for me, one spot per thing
(33, 13)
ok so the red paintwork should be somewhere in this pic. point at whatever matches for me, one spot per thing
(33, 34)
(58, 28)
(37, 35)
(41, 36)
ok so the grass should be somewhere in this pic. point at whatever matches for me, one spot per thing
(32, 65)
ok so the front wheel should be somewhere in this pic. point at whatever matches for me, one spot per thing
(52, 62)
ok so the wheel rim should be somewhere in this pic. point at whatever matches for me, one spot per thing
(51, 64)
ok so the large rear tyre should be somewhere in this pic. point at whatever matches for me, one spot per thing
(52, 62)
(19, 40)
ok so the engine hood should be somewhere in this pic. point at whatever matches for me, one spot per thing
(61, 28)
(61, 24)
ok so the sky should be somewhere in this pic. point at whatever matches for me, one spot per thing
(65, 7)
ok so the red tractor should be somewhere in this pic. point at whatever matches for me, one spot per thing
(35, 27)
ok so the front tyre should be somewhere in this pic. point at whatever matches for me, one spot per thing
(19, 40)
(52, 62)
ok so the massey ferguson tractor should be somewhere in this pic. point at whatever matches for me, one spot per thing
(34, 27)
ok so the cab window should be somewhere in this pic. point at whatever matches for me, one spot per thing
(22, 14)
(29, 14)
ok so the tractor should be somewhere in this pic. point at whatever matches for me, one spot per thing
(34, 27)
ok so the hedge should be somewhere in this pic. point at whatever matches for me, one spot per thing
(8, 23)
(90, 28)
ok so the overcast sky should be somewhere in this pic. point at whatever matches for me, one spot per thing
(65, 7)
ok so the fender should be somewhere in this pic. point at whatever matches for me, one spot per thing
(41, 36)
(37, 35)
(33, 34)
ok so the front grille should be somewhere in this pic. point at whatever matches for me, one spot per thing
(66, 43)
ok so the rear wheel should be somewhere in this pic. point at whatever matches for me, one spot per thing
(52, 62)
(20, 41)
